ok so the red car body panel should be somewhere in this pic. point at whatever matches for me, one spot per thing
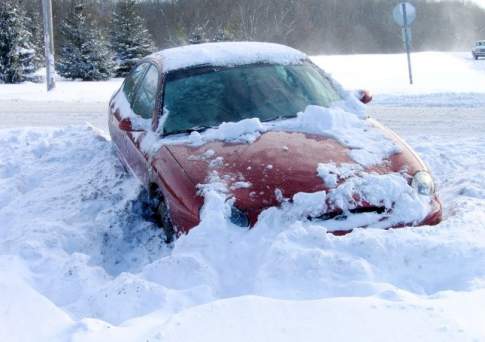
(277, 160)
(161, 170)
(284, 161)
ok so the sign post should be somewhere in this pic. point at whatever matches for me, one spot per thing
(404, 15)
(49, 44)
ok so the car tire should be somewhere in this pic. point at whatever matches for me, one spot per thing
(163, 218)
(475, 56)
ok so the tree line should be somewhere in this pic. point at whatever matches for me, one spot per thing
(87, 49)
(314, 26)
(96, 39)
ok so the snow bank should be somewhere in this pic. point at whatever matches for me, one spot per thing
(26, 315)
(261, 319)
(440, 78)
(65, 91)
(79, 262)
(227, 54)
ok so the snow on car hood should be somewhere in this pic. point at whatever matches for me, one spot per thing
(367, 144)
(288, 151)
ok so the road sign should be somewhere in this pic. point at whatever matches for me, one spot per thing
(404, 15)
(400, 10)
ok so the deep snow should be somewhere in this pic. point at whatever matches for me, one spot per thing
(441, 79)
(78, 261)
(74, 246)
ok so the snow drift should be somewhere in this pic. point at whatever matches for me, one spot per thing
(76, 252)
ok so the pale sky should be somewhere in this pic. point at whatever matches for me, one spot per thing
(478, 2)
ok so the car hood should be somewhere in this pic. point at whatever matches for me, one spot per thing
(279, 163)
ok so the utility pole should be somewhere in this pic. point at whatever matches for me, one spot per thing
(49, 44)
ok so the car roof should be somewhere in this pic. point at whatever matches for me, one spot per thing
(226, 54)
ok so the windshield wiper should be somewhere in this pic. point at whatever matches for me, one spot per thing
(279, 117)
(190, 130)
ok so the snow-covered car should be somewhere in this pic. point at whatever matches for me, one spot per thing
(479, 49)
(262, 124)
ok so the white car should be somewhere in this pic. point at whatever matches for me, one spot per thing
(479, 49)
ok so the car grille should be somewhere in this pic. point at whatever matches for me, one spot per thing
(339, 215)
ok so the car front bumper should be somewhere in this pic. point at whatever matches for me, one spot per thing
(434, 217)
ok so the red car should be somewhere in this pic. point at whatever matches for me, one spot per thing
(172, 94)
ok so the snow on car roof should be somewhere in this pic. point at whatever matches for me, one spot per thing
(227, 54)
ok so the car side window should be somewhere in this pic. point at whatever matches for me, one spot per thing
(131, 82)
(145, 100)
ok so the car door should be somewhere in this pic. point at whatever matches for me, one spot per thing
(140, 92)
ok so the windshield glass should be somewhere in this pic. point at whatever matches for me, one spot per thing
(206, 97)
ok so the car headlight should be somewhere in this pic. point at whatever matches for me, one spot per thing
(423, 183)
(239, 218)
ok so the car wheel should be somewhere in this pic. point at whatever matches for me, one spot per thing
(164, 220)
(475, 56)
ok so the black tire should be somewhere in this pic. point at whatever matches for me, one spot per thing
(161, 213)
(164, 220)
(475, 56)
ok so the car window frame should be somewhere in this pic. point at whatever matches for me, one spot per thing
(156, 110)
(130, 74)
(137, 94)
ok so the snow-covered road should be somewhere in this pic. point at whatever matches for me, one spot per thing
(78, 262)
(403, 119)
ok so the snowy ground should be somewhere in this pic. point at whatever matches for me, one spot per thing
(79, 263)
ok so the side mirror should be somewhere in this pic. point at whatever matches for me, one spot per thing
(364, 96)
(125, 125)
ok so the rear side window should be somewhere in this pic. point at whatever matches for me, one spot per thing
(129, 87)
(144, 104)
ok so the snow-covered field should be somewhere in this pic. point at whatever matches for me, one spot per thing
(440, 79)
(78, 262)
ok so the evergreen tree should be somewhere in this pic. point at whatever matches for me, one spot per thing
(17, 54)
(130, 40)
(84, 54)
(35, 26)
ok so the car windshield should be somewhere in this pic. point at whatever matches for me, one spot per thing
(205, 97)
